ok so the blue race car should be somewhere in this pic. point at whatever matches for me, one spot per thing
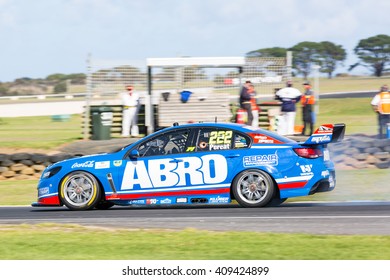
(203, 163)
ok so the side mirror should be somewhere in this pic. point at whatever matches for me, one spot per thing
(134, 154)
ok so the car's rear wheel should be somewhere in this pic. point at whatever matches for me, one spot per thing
(253, 188)
(80, 190)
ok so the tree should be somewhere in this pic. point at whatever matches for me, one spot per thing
(374, 53)
(60, 87)
(331, 55)
(3, 89)
(305, 55)
(76, 78)
(268, 52)
(56, 77)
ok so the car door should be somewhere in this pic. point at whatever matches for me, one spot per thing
(151, 168)
(227, 147)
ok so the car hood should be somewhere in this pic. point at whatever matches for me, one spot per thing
(84, 161)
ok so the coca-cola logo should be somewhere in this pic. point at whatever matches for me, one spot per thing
(88, 163)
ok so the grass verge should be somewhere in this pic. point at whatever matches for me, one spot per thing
(38, 132)
(64, 242)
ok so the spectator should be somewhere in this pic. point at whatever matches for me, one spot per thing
(289, 96)
(245, 101)
(254, 107)
(307, 101)
(130, 102)
(381, 105)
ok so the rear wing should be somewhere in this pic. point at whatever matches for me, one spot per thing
(327, 133)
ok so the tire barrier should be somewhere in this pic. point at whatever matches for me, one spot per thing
(27, 166)
(361, 151)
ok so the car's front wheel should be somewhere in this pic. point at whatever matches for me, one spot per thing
(253, 188)
(80, 190)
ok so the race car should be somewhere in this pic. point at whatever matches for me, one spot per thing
(198, 163)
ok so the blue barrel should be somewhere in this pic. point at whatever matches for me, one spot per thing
(388, 130)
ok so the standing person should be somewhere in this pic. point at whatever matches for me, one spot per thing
(289, 96)
(254, 107)
(381, 104)
(245, 101)
(130, 101)
(307, 101)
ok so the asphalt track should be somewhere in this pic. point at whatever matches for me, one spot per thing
(367, 218)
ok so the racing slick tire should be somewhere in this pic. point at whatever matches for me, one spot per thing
(80, 190)
(253, 188)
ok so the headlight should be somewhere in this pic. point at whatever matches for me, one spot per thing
(51, 172)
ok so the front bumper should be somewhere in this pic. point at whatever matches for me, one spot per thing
(37, 204)
(52, 200)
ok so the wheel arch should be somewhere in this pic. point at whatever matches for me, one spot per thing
(100, 185)
(266, 170)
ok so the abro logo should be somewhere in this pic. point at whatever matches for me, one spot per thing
(174, 172)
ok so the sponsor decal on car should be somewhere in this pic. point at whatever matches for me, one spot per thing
(320, 139)
(102, 164)
(181, 200)
(117, 163)
(325, 173)
(138, 201)
(151, 201)
(263, 139)
(260, 160)
(171, 172)
(219, 199)
(165, 201)
(43, 191)
(88, 163)
(325, 129)
(306, 169)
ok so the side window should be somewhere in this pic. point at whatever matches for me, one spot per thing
(209, 139)
(167, 143)
(241, 141)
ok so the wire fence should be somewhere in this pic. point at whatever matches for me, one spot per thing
(107, 78)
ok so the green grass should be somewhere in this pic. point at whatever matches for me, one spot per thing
(38, 132)
(343, 84)
(18, 192)
(64, 242)
(356, 113)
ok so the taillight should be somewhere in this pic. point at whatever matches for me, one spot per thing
(308, 152)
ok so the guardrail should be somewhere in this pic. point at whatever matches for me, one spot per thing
(360, 93)
(43, 96)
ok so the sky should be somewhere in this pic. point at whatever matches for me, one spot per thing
(42, 37)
